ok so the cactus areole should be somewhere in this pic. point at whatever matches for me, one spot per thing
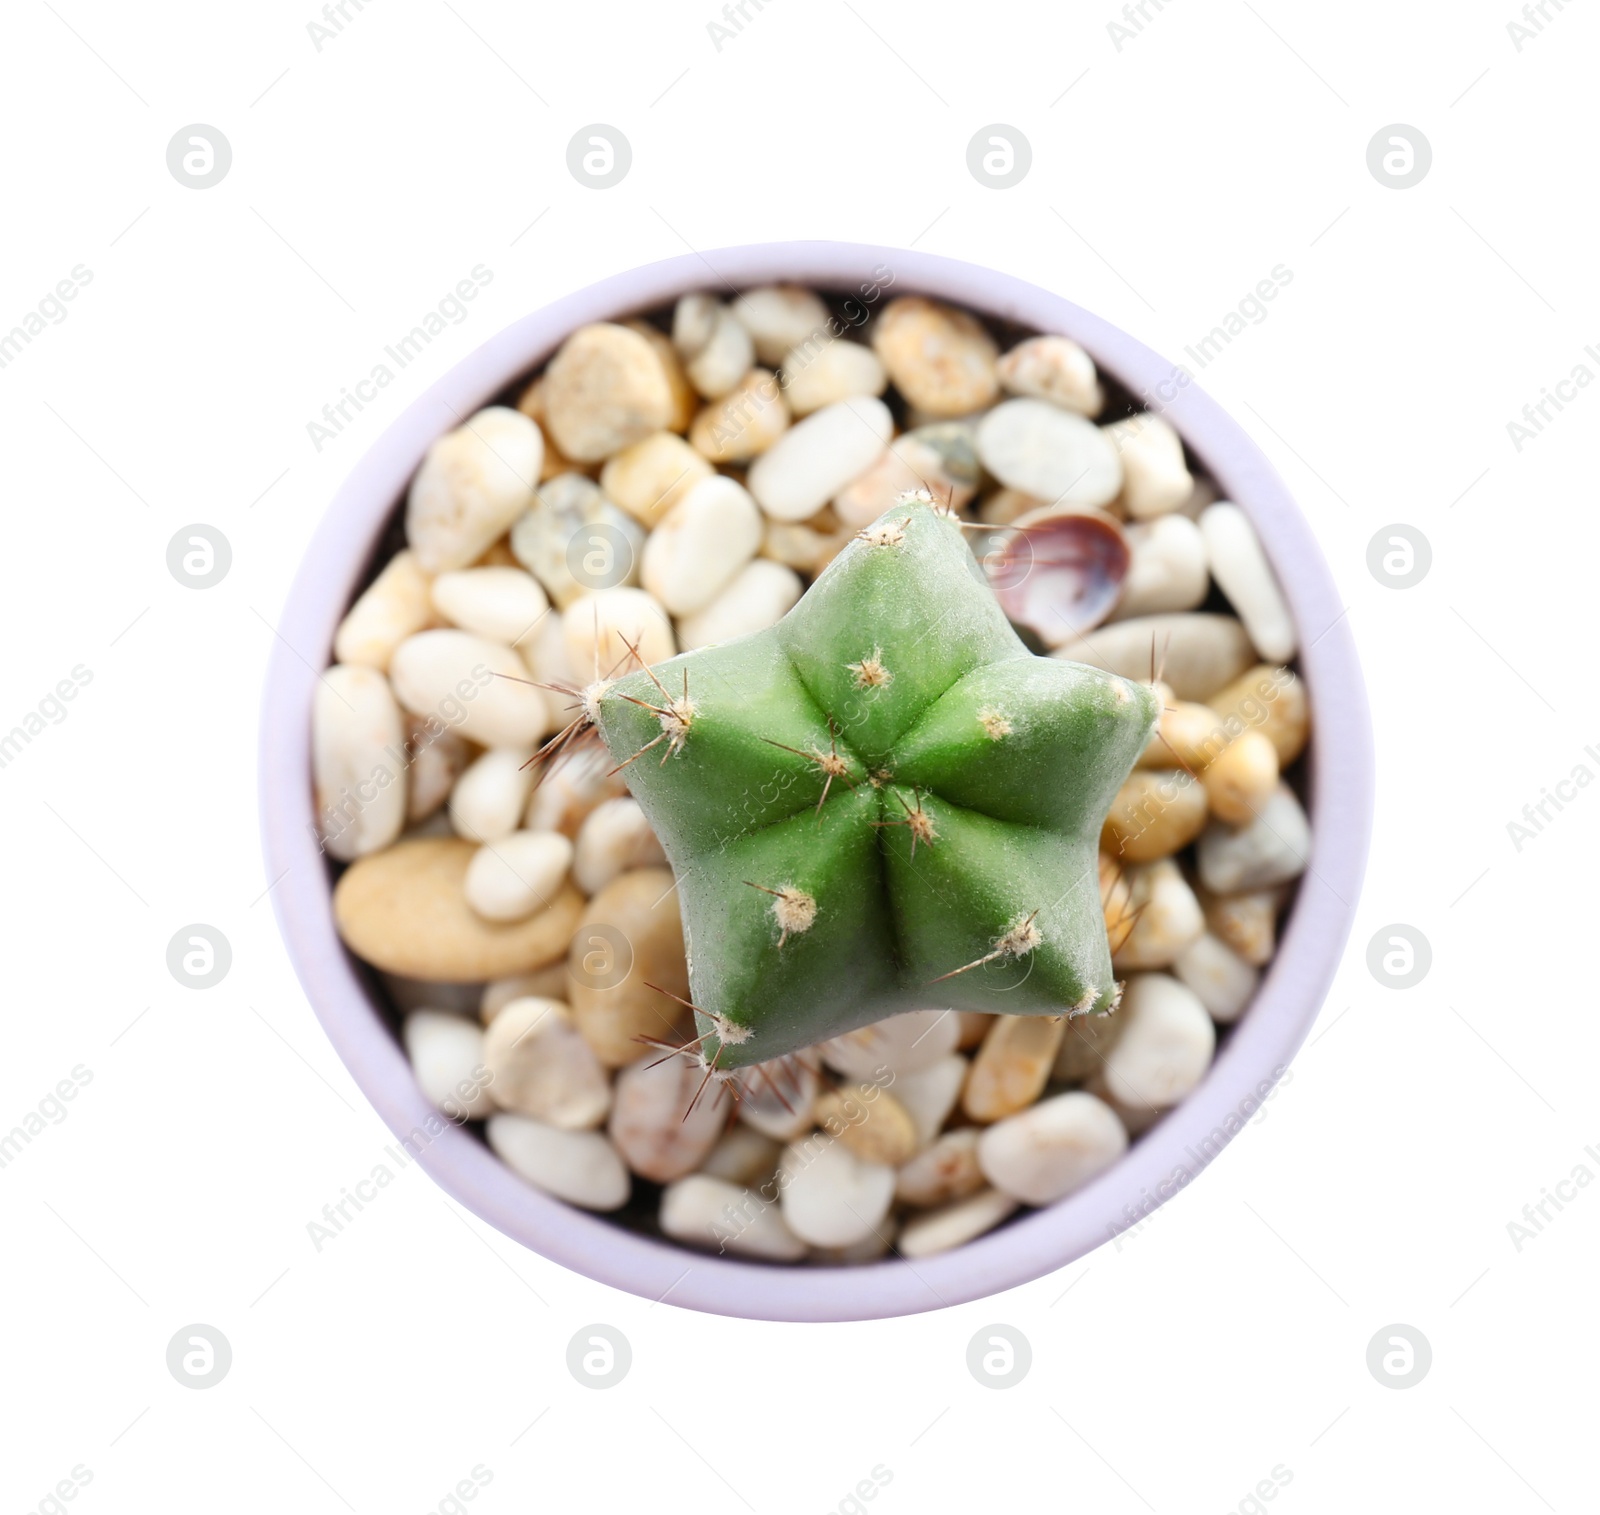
(885, 802)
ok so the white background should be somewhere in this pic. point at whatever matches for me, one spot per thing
(1226, 1338)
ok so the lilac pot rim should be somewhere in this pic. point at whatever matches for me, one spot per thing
(1166, 1159)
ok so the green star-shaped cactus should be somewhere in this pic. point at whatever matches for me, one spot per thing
(883, 803)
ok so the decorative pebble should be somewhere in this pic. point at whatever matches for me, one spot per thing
(684, 400)
(1197, 653)
(954, 1225)
(1273, 700)
(714, 345)
(1155, 478)
(974, 1027)
(704, 1211)
(613, 1007)
(831, 1197)
(1164, 1050)
(944, 1171)
(500, 604)
(779, 317)
(1048, 1152)
(761, 594)
(540, 1066)
(437, 758)
(649, 478)
(604, 389)
(870, 1121)
(543, 983)
(742, 1156)
(614, 837)
(1240, 566)
(930, 1094)
(909, 462)
(568, 793)
(603, 628)
(357, 761)
(561, 509)
(489, 797)
(901, 1044)
(581, 1167)
(1272, 849)
(447, 1058)
(817, 457)
(509, 879)
(1248, 923)
(478, 686)
(814, 377)
(806, 545)
(1240, 778)
(1043, 450)
(1156, 812)
(395, 605)
(1083, 1048)
(474, 482)
(657, 1124)
(1186, 733)
(405, 910)
(701, 545)
(1221, 980)
(1012, 1066)
(745, 422)
(941, 359)
(779, 1098)
(1054, 369)
(1165, 917)
(1168, 570)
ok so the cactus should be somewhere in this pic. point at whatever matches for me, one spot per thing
(884, 802)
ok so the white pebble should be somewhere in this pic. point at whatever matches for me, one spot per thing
(477, 686)
(761, 594)
(1224, 981)
(540, 1065)
(652, 1123)
(946, 1170)
(817, 457)
(715, 347)
(1165, 1048)
(1043, 450)
(815, 376)
(438, 757)
(1272, 849)
(1165, 913)
(581, 1167)
(1051, 1149)
(956, 1224)
(779, 317)
(1167, 570)
(446, 1053)
(930, 1094)
(902, 1043)
(542, 983)
(1241, 568)
(779, 1098)
(599, 627)
(1054, 369)
(474, 482)
(1155, 479)
(702, 1211)
(701, 545)
(831, 1197)
(569, 791)
(742, 1156)
(358, 761)
(512, 877)
(503, 604)
(614, 837)
(488, 798)
(392, 607)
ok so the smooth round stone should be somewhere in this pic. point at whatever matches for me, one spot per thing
(1167, 568)
(392, 607)
(831, 1197)
(1043, 450)
(1054, 369)
(500, 604)
(1248, 922)
(438, 758)
(779, 317)
(945, 1171)
(404, 910)
(509, 879)
(561, 509)
(581, 1167)
(909, 462)
(1155, 479)
(603, 390)
(930, 1094)
(648, 479)
(548, 983)
(1241, 568)
(1272, 700)
(489, 797)
(474, 482)
(761, 594)
(614, 837)
(568, 791)
(744, 423)
(602, 630)
(817, 457)
(540, 1066)
(1221, 980)
(1166, 917)
(870, 1121)
(652, 1125)
(701, 544)
(1273, 849)
(818, 376)
(1052, 1149)
(1007, 505)
(358, 761)
(742, 1156)
(1241, 777)
(1186, 733)
(634, 917)
(715, 347)
(1083, 1048)
(901, 1044)
(544, 655)
(442, 672)
(703, 1211)
(956, 1224)
(941, 359)
(1156, 812)
(1165, 1048)
(1012, 1066)
(1197, 653)
(684, 400)
(808, 546)
(779, 1098)
(447, 1058)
